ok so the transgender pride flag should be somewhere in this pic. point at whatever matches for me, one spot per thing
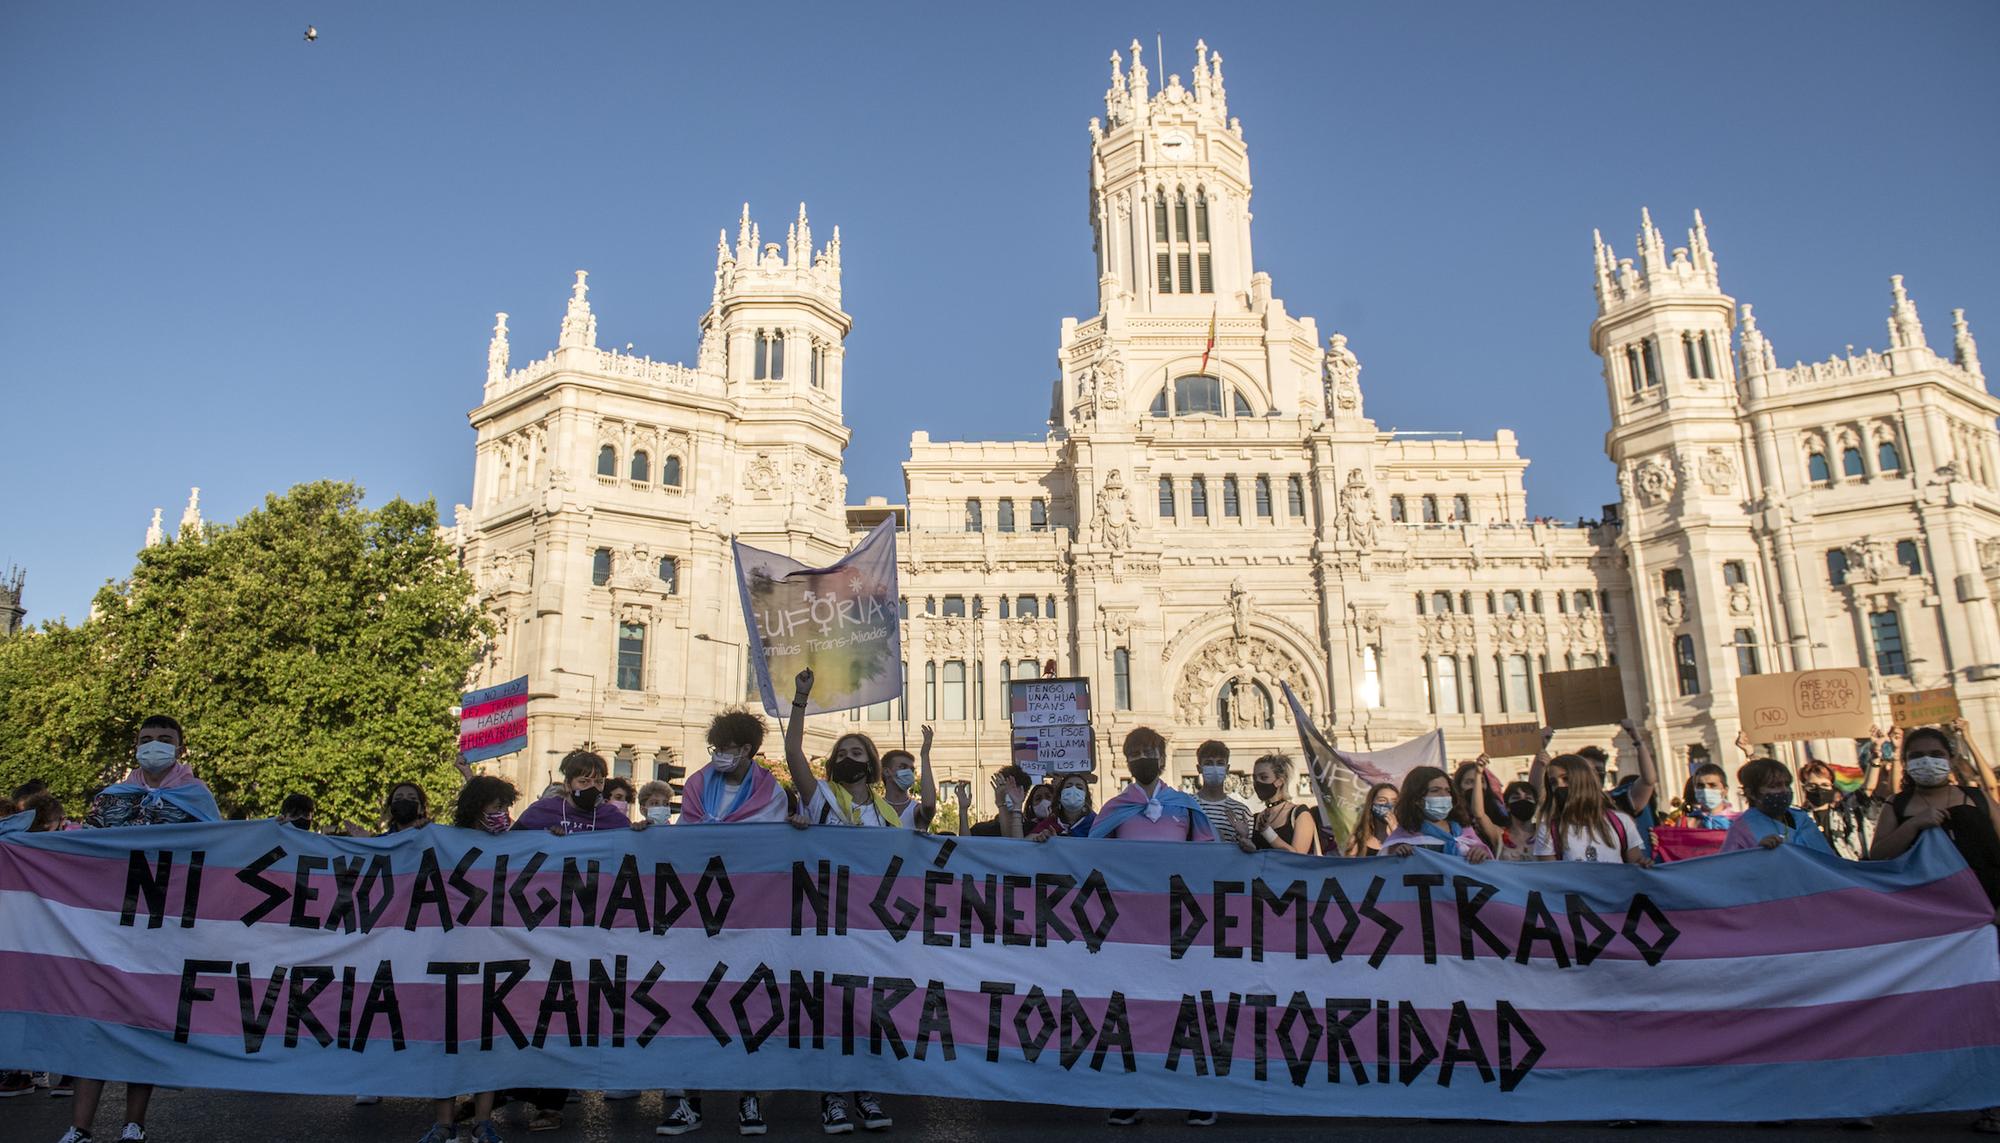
(1766, 984)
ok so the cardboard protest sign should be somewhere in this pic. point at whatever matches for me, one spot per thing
(842, 621)
(1511, 739)
(1050, 719)
(1594, 696)
(1935, 707)
(493, 721)
(1801, 705)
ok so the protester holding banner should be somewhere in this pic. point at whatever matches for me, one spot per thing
(910, 789)
(1771, 820)
(1228, 816)
(846, 798)
(160, 790)
(408, 807)
(1282, 824)
(1969, 815)
(1580, 824)
(619, 792)
(656, 805)
(1423, 813)
(1517, 840)
(1073, 814)
(1476, 801)
(1840, 815)
(1700, 819)
(579, 807)
(1376, 823)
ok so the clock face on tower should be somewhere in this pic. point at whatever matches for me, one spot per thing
(1176, 147)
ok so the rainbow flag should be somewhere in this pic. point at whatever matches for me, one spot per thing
(1846, 779)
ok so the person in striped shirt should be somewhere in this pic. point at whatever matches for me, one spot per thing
(1229, 815)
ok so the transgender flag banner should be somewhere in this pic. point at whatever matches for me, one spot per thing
(252, 956)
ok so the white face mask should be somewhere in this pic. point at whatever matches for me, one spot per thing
(659, 815)
(156, 756)
(1709, 797)
(1437, 807)
(730, 763)
(1072, 798)
(1040, 809)
(903, 777)
(1928, 769)
(1214, 775)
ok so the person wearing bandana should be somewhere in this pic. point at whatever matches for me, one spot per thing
(160, 790)
(848, 797)
(580, 807)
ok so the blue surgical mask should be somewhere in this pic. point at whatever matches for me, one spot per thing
(1928, 769)
(1437, 807)
(156, 756)
(1073, 798)
(1214, 775)
(904, 777)
(1710, 798)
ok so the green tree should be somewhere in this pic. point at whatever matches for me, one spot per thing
(313, 646)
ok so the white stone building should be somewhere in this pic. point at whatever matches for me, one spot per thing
(1204, 522)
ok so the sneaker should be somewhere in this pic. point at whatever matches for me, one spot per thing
(62, 1087)
(16, 1083)
(545, 1120)
(1201, 1119)
(872, 1115)
(367, 1100)
(749, 1115)
(133, 1133)
(484, 1132)
(621, 1093)
(75, 1135)
(833, 1115)
(680, 1119)
(439, 1133)
(1123, 1117)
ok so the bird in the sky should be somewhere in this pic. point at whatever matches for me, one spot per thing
(312, 33)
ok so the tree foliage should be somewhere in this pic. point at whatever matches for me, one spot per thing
(313, 646)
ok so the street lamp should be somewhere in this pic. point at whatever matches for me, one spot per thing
(590, 727)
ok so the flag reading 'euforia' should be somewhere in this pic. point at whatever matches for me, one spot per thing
(842, 621)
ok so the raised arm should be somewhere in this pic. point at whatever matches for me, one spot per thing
(1541, 762)
(1744, 744)
(1649, 775)
(1482, 824)
(803, 782)
(926, 782)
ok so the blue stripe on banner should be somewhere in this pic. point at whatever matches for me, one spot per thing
(512, 688)
(1880, 1085)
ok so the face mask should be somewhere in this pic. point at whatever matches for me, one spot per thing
(1819, 797)
(1928, 769)
(301, 823)
(1558, 798)
(1266, 791)
(1214, 775)
(1381, 809)
(1040, 810)
(1709, 798)
(847, 771)
(730, 762)
(1073, 799)
(156, 756)
(496, 821)
(659, 815)
(1145, 771)
(1775, 805)
(586, 798)
(1522, 808)
(904, 777)
(403, 811)
(1437, 806)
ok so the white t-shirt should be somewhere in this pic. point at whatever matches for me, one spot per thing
(1585, 845)
(823, 810)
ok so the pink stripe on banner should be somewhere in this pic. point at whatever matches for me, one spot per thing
(1886, 1026)
(507, 704)
(764, 901)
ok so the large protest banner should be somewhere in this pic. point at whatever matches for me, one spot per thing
(843, 621)
(252, 956)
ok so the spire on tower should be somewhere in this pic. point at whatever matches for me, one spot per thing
(156, 535)
(579, 325)
(1140, 92)
(746, 246)
(496, 351)
(191, 515)
(1605, 266)
(1906, 330)
(1757, 355)
(1652, 247)
(1965, 351)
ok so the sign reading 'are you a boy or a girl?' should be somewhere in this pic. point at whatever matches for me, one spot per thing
(1050, 719)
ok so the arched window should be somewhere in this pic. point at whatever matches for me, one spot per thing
(1399, 512)
(670, 472)
(1006, 611)
(600, 566)
(1159, 408)
(975, 520)
(1166, 498)
(1850, 461)
(1264, 498)
(1006, 514)
(1653, 370)
(1734, 573)
(1027, 607)
(1430, 509)
(1245, 705)
(1038, 515)
(1510, 602)
(1687, 350)
(1635, 370)
(1295, 497)
(1707, 357)
(1816, 470)
(1461, 509)
(1887, 458)
(1582, 602)
(670, 575)
(607, 461)
(1197, 395)
(1687, 673)
(642, 465)
(1198, 498)
(1440, 603)
(1200, 216)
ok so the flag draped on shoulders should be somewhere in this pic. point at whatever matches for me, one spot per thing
(705, 796)
(178, 788)
(1132, 802)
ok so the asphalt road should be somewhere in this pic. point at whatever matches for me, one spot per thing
(188, 1116)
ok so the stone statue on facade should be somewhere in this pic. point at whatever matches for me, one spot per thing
(1358, 524)
(1343, 372)
(1107, 375)
(1239, 609)
(1114, 514)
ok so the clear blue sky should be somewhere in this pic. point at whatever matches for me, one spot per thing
(233, 259)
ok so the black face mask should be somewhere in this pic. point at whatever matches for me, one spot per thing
(1522, 808)
(1145, 771)
(403, 811)
(586, 798)
(1266, 791)
(302, 823)
(1819, 797)
(1558, 798)
(847, 770)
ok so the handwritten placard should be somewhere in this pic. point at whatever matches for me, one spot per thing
(1594, 696)
(1935, 707)
(1511, 739)
(1046, 750)
(1801, 705)
(1049, 702)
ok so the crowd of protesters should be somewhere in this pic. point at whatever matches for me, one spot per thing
(1566, 808)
